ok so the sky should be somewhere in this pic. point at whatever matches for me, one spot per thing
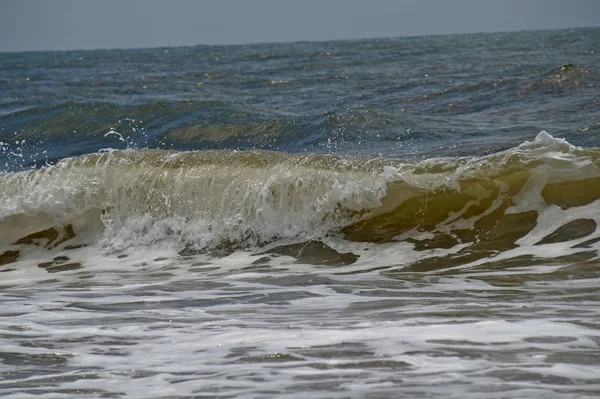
(27, 25)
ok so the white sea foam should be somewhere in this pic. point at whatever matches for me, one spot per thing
(167, 327)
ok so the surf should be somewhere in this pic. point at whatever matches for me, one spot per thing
(209, 199)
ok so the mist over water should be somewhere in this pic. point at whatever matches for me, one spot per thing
(376, 218)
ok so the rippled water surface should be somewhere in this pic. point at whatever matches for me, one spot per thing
(391, 218)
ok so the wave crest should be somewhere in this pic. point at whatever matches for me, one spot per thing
(208, 198)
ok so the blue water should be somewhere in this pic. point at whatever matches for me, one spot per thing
(409, 97)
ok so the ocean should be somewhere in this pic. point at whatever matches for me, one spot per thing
(381, 218)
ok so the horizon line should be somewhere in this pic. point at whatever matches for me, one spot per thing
(258, 43)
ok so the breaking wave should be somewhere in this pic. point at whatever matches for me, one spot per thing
(206, 199)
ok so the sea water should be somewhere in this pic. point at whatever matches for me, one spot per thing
(413, 217)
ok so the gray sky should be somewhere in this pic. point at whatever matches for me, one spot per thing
(86, 24)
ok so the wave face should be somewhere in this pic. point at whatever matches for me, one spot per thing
(207, 199)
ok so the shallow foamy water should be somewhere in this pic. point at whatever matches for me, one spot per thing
(157, 324)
